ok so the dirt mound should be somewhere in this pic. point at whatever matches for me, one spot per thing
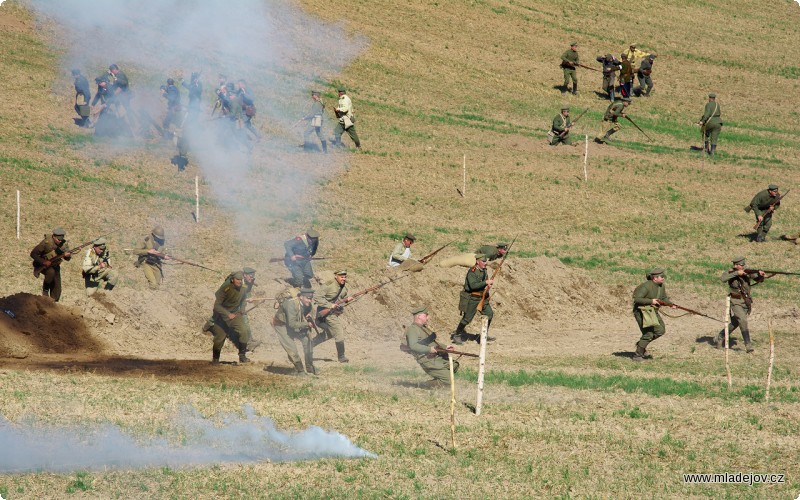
(35, 324)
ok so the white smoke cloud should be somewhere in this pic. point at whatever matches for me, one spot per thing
(193, 441)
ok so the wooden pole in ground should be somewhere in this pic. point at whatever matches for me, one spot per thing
(196, 198)
(452, 402)
(481, 364)
(727, 338)
(586, 159)
(464, 179)
(771, 359)
(17, 213)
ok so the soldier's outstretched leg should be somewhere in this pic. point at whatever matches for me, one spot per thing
(215, 355)
(340, 352)
(243, 353)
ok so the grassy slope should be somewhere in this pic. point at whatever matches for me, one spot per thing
(441, 80)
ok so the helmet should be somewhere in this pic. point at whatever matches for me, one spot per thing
(158, 232)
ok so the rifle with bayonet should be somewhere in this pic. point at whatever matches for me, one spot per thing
(299, 257)
(638, 127)
(341, 303)
(497, 270)
(431, 255)
(771, 273)
(691, 311)
(769, 209)
(58, 258)
(170, 257)
(564, 133)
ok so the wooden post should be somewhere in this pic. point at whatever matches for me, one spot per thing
(17, 213)
(726, 317)
(464, 181)
(452, 402)
(771, 359)
(196, 198)
(481, 364)
(586, 159)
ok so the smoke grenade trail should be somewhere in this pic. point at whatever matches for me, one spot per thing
(31, 447)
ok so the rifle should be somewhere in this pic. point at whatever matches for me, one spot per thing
(638, 127)
(692, 311)
(770, 209)
(298, 122)
(216, 107)
(460, 353)
(772, 273)
(339, 304)
(280, 259)
(587, 67)
(562, 134)
(170, 257)
(58, 258)
(431, 255)
(497, 270)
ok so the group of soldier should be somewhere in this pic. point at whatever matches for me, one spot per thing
(633, 62)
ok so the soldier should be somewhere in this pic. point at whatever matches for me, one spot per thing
(293, 321)
(314, 119)
(328, 313)
(475, 283)
(614, 111)
(643, 75)
(347, 120)
(645, 311)
(711, 123)
(569, 62)
(297, 258)
(402, 251)
(610, 67)
(625, 76)
(422, 343)
(764, 204)
(120, 89)
(739, 283)
(559, 132)
(97, 267)
(83, 95)
(195, 88)
(173, 96)
(493, 252)
(229, 321)
(249, 107)
(49, 253)
(634, 55)
(150, 254)
(249, 281)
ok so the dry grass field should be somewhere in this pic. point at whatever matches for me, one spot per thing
(436, 85)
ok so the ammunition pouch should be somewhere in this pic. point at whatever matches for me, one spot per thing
(347, 122)
(83, 109)
(316, 121)
(649, 316)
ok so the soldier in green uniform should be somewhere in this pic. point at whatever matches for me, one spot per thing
(711, 123)
(422, 343)
(493, 252)
(739, 283)
(475, 283)
(764, 204)
(559, 131)
(645, 311)
(229, 322)
(314, 119)
(569, 62)
(293, 321)
(610, 68)
(402, 250)
(644, 75)
(328, 313)
(347, 120)
(297, 258)
(614, 111)
(249, 281)
(150, 256)
(43, 255)
(97, 267)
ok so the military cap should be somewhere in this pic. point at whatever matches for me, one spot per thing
(633, 45)
(99, 242)
(624, 55)
(419, 310)
(158, 232)
(315, 92)
(76, 72)
(410, 236)
(230, 86)
(565, 108)
(772, 187)
(626, 99)
(738, 260)
(573, 44)
(170, 81)
(312, 233)
(651, 56)
(609, 56)
(342, 89)
(712, 95)
(656, 271)
(249, 270)
(341, 272)
(480, 256)
(59, 232)
(113, 66)
(237, 275)
(306, 291)
(502, 244)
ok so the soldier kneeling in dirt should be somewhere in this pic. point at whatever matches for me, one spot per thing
(422, 344)
(97, 268)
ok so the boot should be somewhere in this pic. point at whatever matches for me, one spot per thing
(458, 337)
(109, 286)
(299, 371)
(243, 354)
(310, 364)
(307, 146)
(639, 355)
(324, 146)
(713, 149)
(318, 339)
(748, 347)
(706, 148)
(718, 342)
(215, 356)
(340, 352)
(574, 88)
(207, 326)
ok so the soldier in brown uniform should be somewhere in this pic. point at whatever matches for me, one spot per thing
(229, 322)
(49, 253)
(97, 268)
(293, 321)
(739, 283)
(328, 313)
(475, 283)
(151, 252)
(422, 344)
(646, 299)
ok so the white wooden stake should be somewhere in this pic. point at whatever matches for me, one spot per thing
(196, 198)
(585, 160)
(771, 359)
(727, 338)
(17, 213)
(481, 364)
(452, 402)
(464, 182)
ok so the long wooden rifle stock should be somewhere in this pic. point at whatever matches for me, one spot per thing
(339, 304)
(486, 289)
(280, 259)
(170, 257)
(460, 353)
(431, 255)
(770, 209)
(692, 311)
(58, 258)
(587, 67)
(638, 127)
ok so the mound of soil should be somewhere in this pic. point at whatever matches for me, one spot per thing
(35, 324)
